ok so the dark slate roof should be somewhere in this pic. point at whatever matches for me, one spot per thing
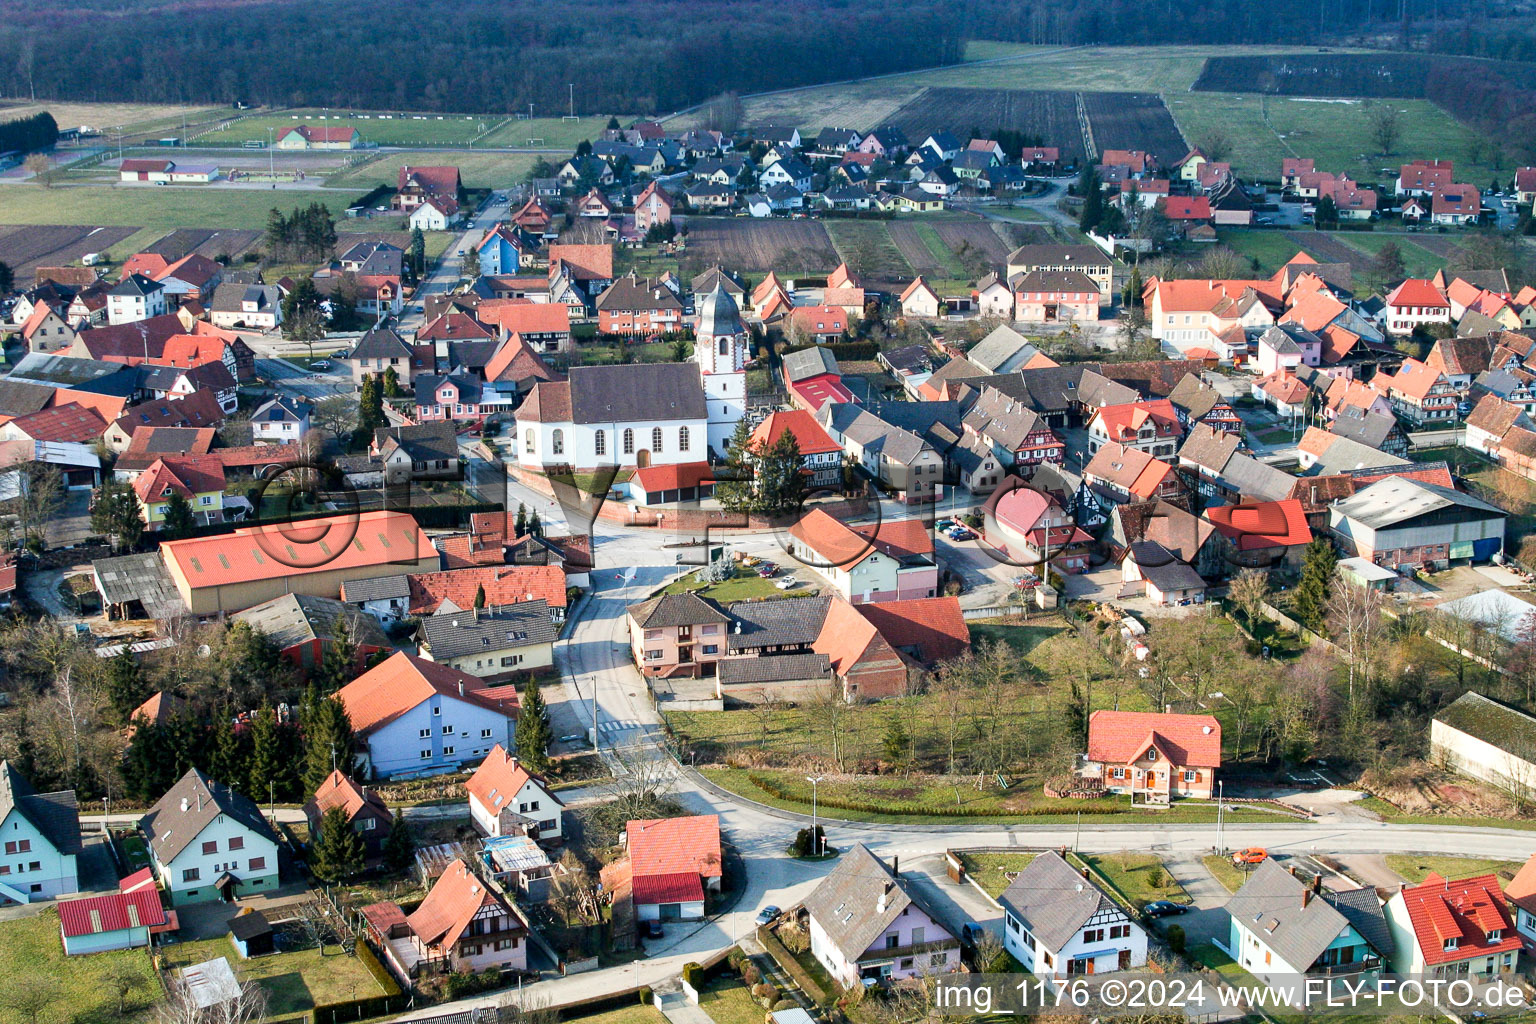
(776, 623)
(637, 392)
(1053, 901)
(1372, 429)
(809, 362)
(423, 442)
(377, 588)
(1273, 905)
(503, 628)
(847, 905)
(1163, 569)
(380, 343)
(776, 668)
(18, 398)
(666, 610)
(907, 357)
(55, 815)
(136, 284)
(170, 829)
(425, 387)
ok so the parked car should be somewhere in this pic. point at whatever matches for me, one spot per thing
(320, 364)
(766, 915)
(787, 583)
(768, 572)
(653, 929)
(1165, 908)
(1250, 855)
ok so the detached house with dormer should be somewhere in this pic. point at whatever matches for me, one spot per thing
(1453, 929)
(506, 799)
(1154, 755)
(869, 924)
(1290, 930)
(207, 842)
(1058, 923)
(41, 836)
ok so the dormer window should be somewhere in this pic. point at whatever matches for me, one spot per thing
(1495, 934)
(1451, 943)
(1152, 754)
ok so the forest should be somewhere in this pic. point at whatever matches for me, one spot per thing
(629, 56)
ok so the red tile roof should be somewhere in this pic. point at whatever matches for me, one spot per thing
(547, 402)
(515, 361)
(810, 435)
(1413, 379)
(504, 584)
(1123, 422)
(519, 316)
(72, 422)
(1267, 524)
(1188, 208)
(676, 476)
(670, 846)
(319, 133)
(1464, 910)
(817, 391)
(326, 544)
(1120, 737)
(846, 546)
(821, 319)
(676, 887)
(400, 683)
(1456, 200)
(456, 897)
(1417, 292)
(1521, 890)
(340, 791)
(932, 625)
(147, 263)
(453, 326)
(188, 477)
(586, 262)
(443, 181)
(117, 911)
(500, 777)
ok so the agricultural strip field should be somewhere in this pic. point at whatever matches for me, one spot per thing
(26, 247)
(1264, 129)
(1120, 120)
(1274, 248)
(788, 246)
(867, 247)
(130, 116)
(206, 206)
(1050, 115)
(478, 170)
(1403, 75)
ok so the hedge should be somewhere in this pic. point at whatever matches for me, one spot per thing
(792, 967)
(380, 973)
(771, 786)
(842, 350)
(361, 1009)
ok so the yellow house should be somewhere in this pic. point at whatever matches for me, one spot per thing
(199, 479)
(493, 644)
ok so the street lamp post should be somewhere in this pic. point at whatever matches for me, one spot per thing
(816, 843)
(1220, 848)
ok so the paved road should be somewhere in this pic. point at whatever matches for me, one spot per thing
(307, 384)
(445, 276)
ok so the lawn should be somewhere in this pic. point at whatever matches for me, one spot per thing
(478, 170)
(294, 982)
(640, 1013)
(746, 585)
(1415, 867)
(551, 133)
(1228, 874)
(192, 206)
(1264, 129)
(727, 1001)
(400, 130)
(1271, 248)
(1139, 877)
(30, 949)
(993, 871)
(935, 799)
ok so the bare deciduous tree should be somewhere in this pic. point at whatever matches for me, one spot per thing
(1354, 618)
(29, 995)
(181, 1007)
(1248, 593)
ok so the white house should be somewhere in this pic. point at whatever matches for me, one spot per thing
(641, 414)
(505, 798)
(41, 833)
(386, 598)
(207, 842)
(1284, 927)
(1058, 923)
(436, 214)
(135, 298)
(889, 561)
(419, 718)
(280, 420)
(1453, 929)
(867, 923)
(1521, 894)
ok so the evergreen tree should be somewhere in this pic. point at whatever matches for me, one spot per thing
(370, 408)
(1077, 717)
(520, 526)
(533, 734)
(1092, 191)
(228, 750)
(391, 383)
(156, 757)
(177, 521)
(733, 482)
(535, 527)
(116, 515)
(277, 234)
(470, 267)
(339, 666)
(418, 250)
(329, 742)
(399, 847)
(7, 278)
(1317, 567)
(125, 685)
(337, 852)
(480, 597)
(272, 770)
(1327, 212)
(780, 483)
(895, 745)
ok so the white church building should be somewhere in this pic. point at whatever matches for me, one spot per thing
(643, 414)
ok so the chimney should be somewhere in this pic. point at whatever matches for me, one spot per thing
(1085, 872)
(1317, 882)
(1306, 898)
(896, 866)
(1292, 870)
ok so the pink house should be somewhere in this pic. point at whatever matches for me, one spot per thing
(1034, 530)
(1056, 296)
(867, 923)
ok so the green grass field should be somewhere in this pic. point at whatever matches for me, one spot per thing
(1274, 248)
(478, 170)
(747, 585)
(406, 130)
(294, 982)
(32, 957)
(991, 870)
(555, 133)
(1140, 877)
(1335, 132)
(866, 246)
(727, 1001)
(207, 206)
(1228, 874)
(1415, 867)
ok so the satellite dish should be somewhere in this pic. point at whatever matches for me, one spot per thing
(203, 650)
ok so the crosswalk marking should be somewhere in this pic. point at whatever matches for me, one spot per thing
(628, 723)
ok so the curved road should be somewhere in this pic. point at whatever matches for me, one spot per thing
(596, 651)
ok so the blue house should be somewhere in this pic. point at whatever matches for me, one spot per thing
(1296, 933)
(39, 840)
(505, 250)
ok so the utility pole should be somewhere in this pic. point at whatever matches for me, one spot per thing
(573, 98)
(1219, 793)
(271, 160)
(816, 844)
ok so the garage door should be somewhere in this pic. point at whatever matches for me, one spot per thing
(671, 911)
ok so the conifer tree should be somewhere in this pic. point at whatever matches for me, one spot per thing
(533, 734)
